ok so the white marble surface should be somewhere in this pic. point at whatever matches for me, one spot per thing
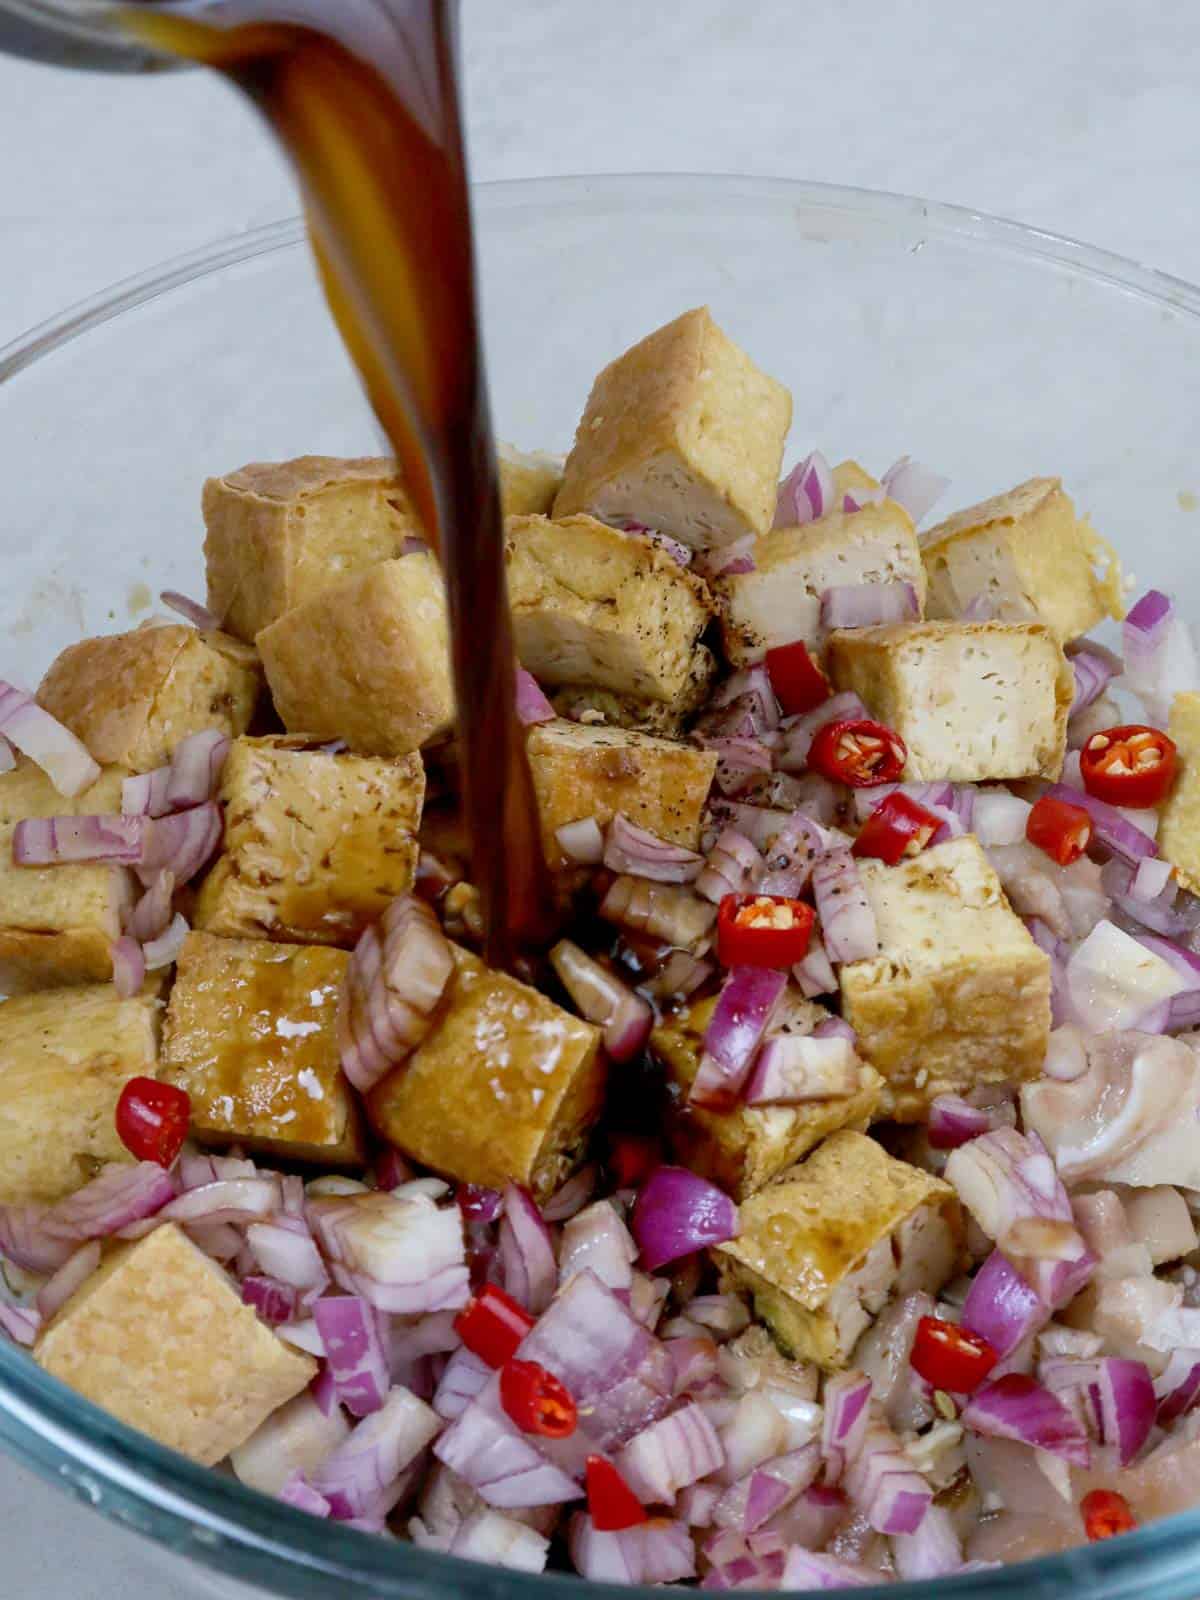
(1070, 116)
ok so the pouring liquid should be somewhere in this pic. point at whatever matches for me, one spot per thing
(363, 95)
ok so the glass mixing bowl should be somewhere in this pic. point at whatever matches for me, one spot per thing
(990, 351)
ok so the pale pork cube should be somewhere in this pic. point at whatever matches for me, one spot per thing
(971, 700)
(682, 433)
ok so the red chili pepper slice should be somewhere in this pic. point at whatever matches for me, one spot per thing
(632, 1157)
(492, 1325)
(950, 1357)
(152, 1119)
(1128, 766)
(897, 827)
(859, 752)
(536, 1400)
(797, 680)
(763, 930)
(611, 1502)
(1105, 1514)
(1062, 830)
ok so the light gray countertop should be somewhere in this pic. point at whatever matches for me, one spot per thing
(1081, 117)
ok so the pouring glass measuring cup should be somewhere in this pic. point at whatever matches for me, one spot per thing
(75, 33)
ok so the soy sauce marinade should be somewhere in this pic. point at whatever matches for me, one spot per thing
(364, 96)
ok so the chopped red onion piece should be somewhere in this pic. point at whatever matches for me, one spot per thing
(1178, 1386)
(679, 976)
(145, 794)
(728, 560)
(766, 1489)
(526, 1252)
(677, 1212)
(806, 494)
(230, 1200)
(395, 980)
(630, 848)
(847, 1401)
(1160, 659)
(737, 761)
(353, 1339)
(70, 1276)
(36, 734)
(1015, 1407)
(581, 841)
(885, 1486)
(859, 498)
(22, 1324)
(181, 843)
(670, 1455)
(532, 704)
(809, 1570)
(50, 841)
(274, 1302)
(695, 1359)
(790, 856)
(500, 1541)
(399, 1251)
(199, 616)
(605, 1000)
(152, 914)
(597, 1239)
(799, 732)
(723, 1315)
(917, 488)
(8, 756)
(752, 684)
(953, 1122)
(464, 1378)
(657, 1551)
(743, 1012)
(934, 1551)
(1111, 827)
(1001, 1307)
(118, 1196)
(196, 768)
(503, 1466)
(129, 966)
(361, 1476)
(1094, 668)
(815, 974)
(665, 911)
(288, 1255)
(847, 920)
(1123, 1393)
(298, 1493)
(164, 950)
(792, 1068)
(567, 1201)
(868, 605)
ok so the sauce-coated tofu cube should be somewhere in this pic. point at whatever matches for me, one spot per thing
(585, 770)
(582, 702)
(780, 601)
(971, 700)
(1179, 830)
(682, 433)
(529, 480)
(505, 1088)
(159, 1337)
(821, 1251)
(743, 1149)
(316, 845)
(278, 532)
(132, 697)
(366, 660)
(64, 1059)
(959, 994)
(593, 605)
(1023, 554)
(251, 1034)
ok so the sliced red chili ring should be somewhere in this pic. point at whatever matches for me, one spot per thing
(950, 1357)
(858, 752)
(1062, 830)
(492, 1325)
(763, 930)
(536, 1400)
(897, 827)
(1132, 765)
(632, 1157)
(152, 1119)
(797, 680)
(1105, 1514)
(612, 1504)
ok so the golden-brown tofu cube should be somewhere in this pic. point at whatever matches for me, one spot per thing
(1025, 554)
(584, 770)
(683, 433)
(593, 605)
(780, 601)
(316, 845)
(251, 1034)
(971, 700)
(1179, 830)
(959, 994)
(581, 702)
(278, 532)
(159, 1337)
(743, 1149)
(132, 697)
(504, 1088)
(823, 1250)
(64, 1059)
(57, 924)
(366, 660)
(529, 480)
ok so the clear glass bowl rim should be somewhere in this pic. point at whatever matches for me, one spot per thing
(210, 1515)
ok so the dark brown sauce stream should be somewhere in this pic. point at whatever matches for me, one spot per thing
(364, 96)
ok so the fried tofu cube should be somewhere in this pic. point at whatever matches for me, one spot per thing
(823, 1250)
(57, 924)
(366, 660)
(780, 601)
(959, 994)
(529, 481)
(584, 770)
(132, 697)
(503, 1089)
(580, 702)
(64, 1059)
(316, 845)
(251, 1034)
(158, 1336)
(1179, 829)
(593, 605)
(971, 700)
(742, 1150)
(682, 433)
(278, 532)
(1025, 554)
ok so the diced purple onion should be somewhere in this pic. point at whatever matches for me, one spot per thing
(793, 1068)
(934, 1551)
(750, 688)
(274, 1302)
(500, 1541)
(118, 1196)
(847, 921)
(1000, 817)
(298, 1493)
(815, 974)
(1178, 1386)
(884, 1486)
(733, 866)
(532, 704)
(181, 843)
(1001, 1307)
(729, 560)
(666, 911)
(670, 1455)
(464, 1378)
(400, 1251)
(1094, 668)
(574, 1194)
(807, 493)
(653, 1552)
(234, 1200)
(128, 966)
(1015, 1407)
(953, 1122)
(362, 1476)
(165, 950)
(56, 1291)
(152, 914)
(677, 1212)
(581, 841)
(1160, 659)
(738, 760)
(790, 856)
(633, 849)
(36, 734)
(738, 1024)
(394, 982)
(199, 616)
(145, 794)
(22, 1324)
(287, 1254)
(526, 1251)
(51, 841)
(847, 1411)
(353, 1339)
(810, 1570)
(597, 1239)
(859, 498)
(766, 1489)
(601, 997)
(867, 605)
(917, 488)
